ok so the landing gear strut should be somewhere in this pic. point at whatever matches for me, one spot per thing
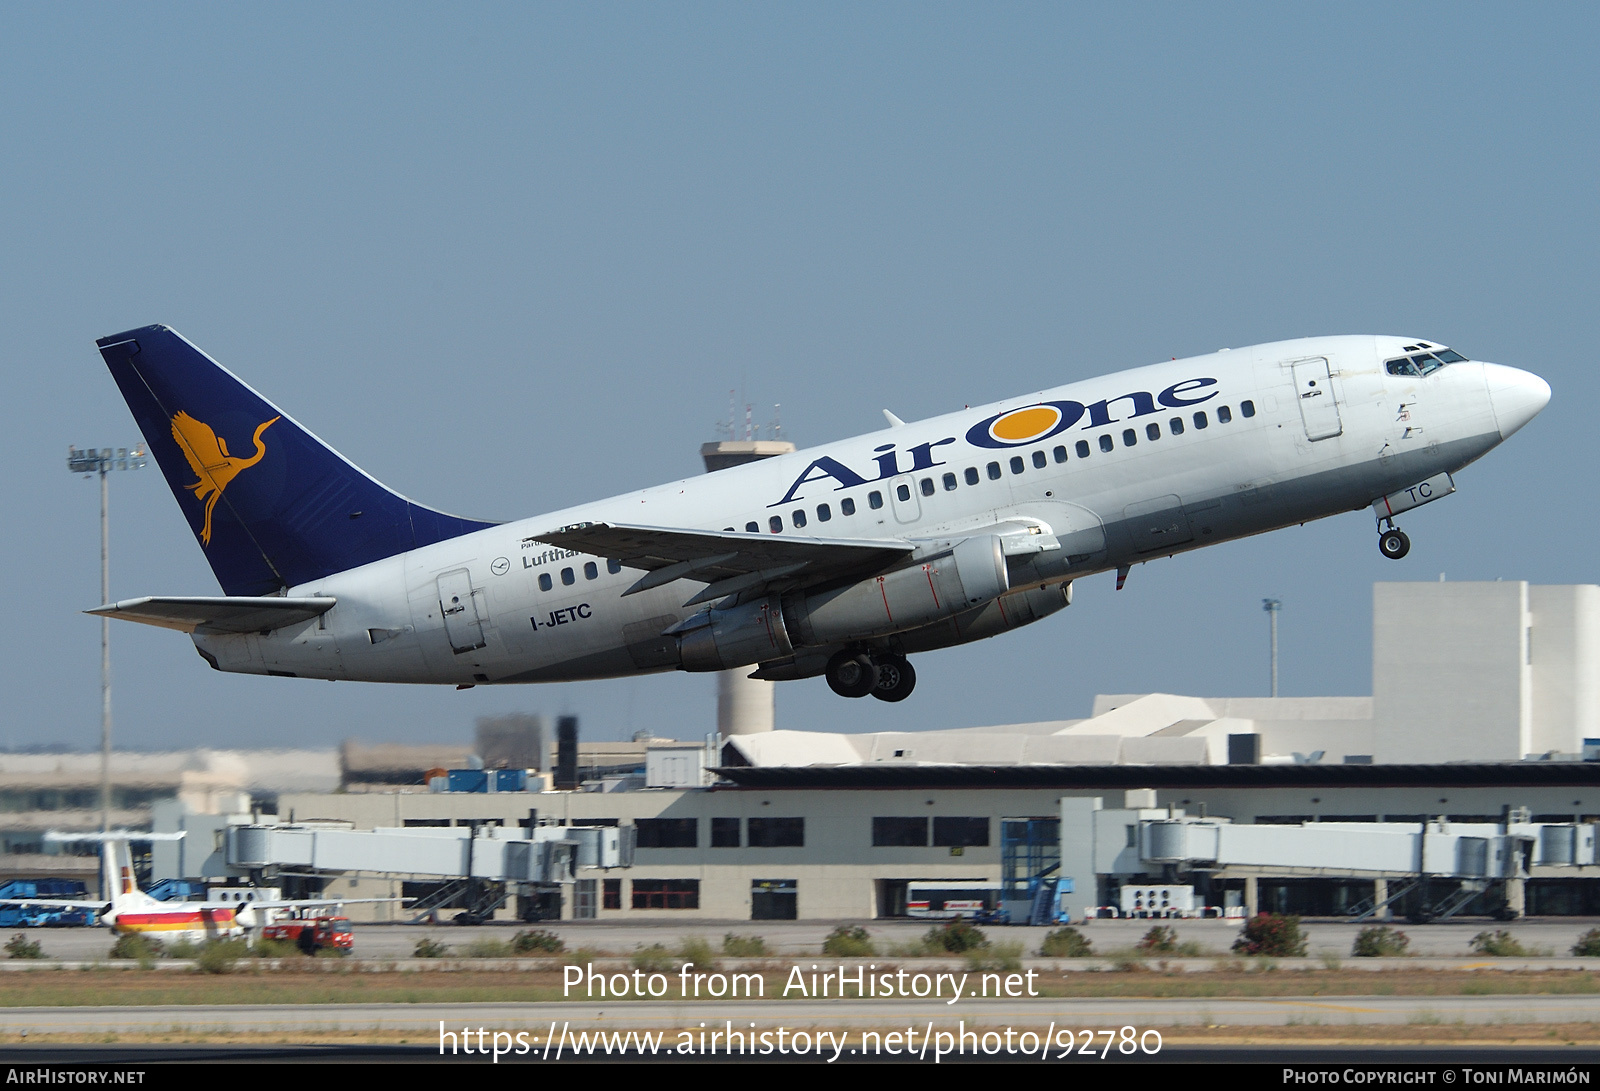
(1393, 543)
(896, 678)
(852, 674)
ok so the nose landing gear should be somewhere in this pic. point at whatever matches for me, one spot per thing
(1393, 543)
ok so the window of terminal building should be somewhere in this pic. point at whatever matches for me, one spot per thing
(1284, 819)
(897, 832)
(666, 893)
(668, 833)
(777, 833)
(611, 894)
(724, 833)
(1347, 818)
(426, 822)
(545, 582)
(567, 577)
(960, 832)
(847, 506)
(971, 475)
(602, 822)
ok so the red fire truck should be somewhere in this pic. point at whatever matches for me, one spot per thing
(312, 934)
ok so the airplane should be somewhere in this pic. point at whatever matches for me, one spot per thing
(841, 560)
(128, 909)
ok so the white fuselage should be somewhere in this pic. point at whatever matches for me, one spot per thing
(1117, 485)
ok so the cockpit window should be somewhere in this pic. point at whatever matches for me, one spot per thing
(1423, 363)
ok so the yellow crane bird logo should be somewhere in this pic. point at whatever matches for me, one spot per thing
(208, 457)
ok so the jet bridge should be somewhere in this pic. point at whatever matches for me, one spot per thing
(545, 854)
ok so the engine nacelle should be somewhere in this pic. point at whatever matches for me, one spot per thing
(991, 619)
(751, 632)
(971, 573)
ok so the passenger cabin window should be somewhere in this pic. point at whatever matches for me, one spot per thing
(927, 486)
(824, 513)
(1107, 444)
(545, 582)
(752, 527)
(874, 499)
(1129, 437)
(775, 524)
(971, 474)
(591, 571)
(798, 517)
(1175, 425)
(1152, 431)
(567, 577)
(993, 470)
(903, 492)
(847, 506)
(1248, 408)
(613, 566)
(1016, 464)
(1039, 460)
(949, 482)
(1083, 448)
(1224, 415)
(1200, 420)
(1060, 453)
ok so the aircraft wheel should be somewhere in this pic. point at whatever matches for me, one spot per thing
(1394, 544)
(852, 674)
(896, 679)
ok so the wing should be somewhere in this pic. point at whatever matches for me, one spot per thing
(51, 903)
(235, 614)
(728, 561)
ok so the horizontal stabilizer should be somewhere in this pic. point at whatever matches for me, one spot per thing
(236, 614)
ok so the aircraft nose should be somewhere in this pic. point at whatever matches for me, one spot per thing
(1517, 396)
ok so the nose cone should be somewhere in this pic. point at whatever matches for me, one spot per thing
(1517, 396)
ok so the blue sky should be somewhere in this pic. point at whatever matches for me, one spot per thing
(511, 257)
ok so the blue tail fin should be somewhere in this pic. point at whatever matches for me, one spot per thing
(271, 504)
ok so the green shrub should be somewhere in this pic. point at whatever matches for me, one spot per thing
(743, 946)
(1066, 943)
(957, 937)
(849, 941)
(20, 946)
(995, 956)
(185, 948)
(537, 942)
(1267, 934)
(488, 948)
(654, 959)
(219, 955)
(1498, 943)
(136, 945)
(276, 948)
(1160, 940)
(697, 950)
(429, 948)
(1380, 942)
(1588, 945)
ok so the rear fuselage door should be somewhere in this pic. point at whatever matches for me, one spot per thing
(1319, 410)
(463, 616)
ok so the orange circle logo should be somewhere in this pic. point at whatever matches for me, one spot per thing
(1022, 425)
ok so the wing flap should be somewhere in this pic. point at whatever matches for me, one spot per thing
(717, 556)
(233, 614)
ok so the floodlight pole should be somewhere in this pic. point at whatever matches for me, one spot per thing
(1272, 606)
(102, 462)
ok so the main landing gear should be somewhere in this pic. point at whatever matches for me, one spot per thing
(855, 673)
(1393, 542)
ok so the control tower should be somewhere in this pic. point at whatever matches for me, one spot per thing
(744, 705)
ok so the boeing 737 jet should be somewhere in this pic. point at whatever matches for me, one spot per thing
(842, 560)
